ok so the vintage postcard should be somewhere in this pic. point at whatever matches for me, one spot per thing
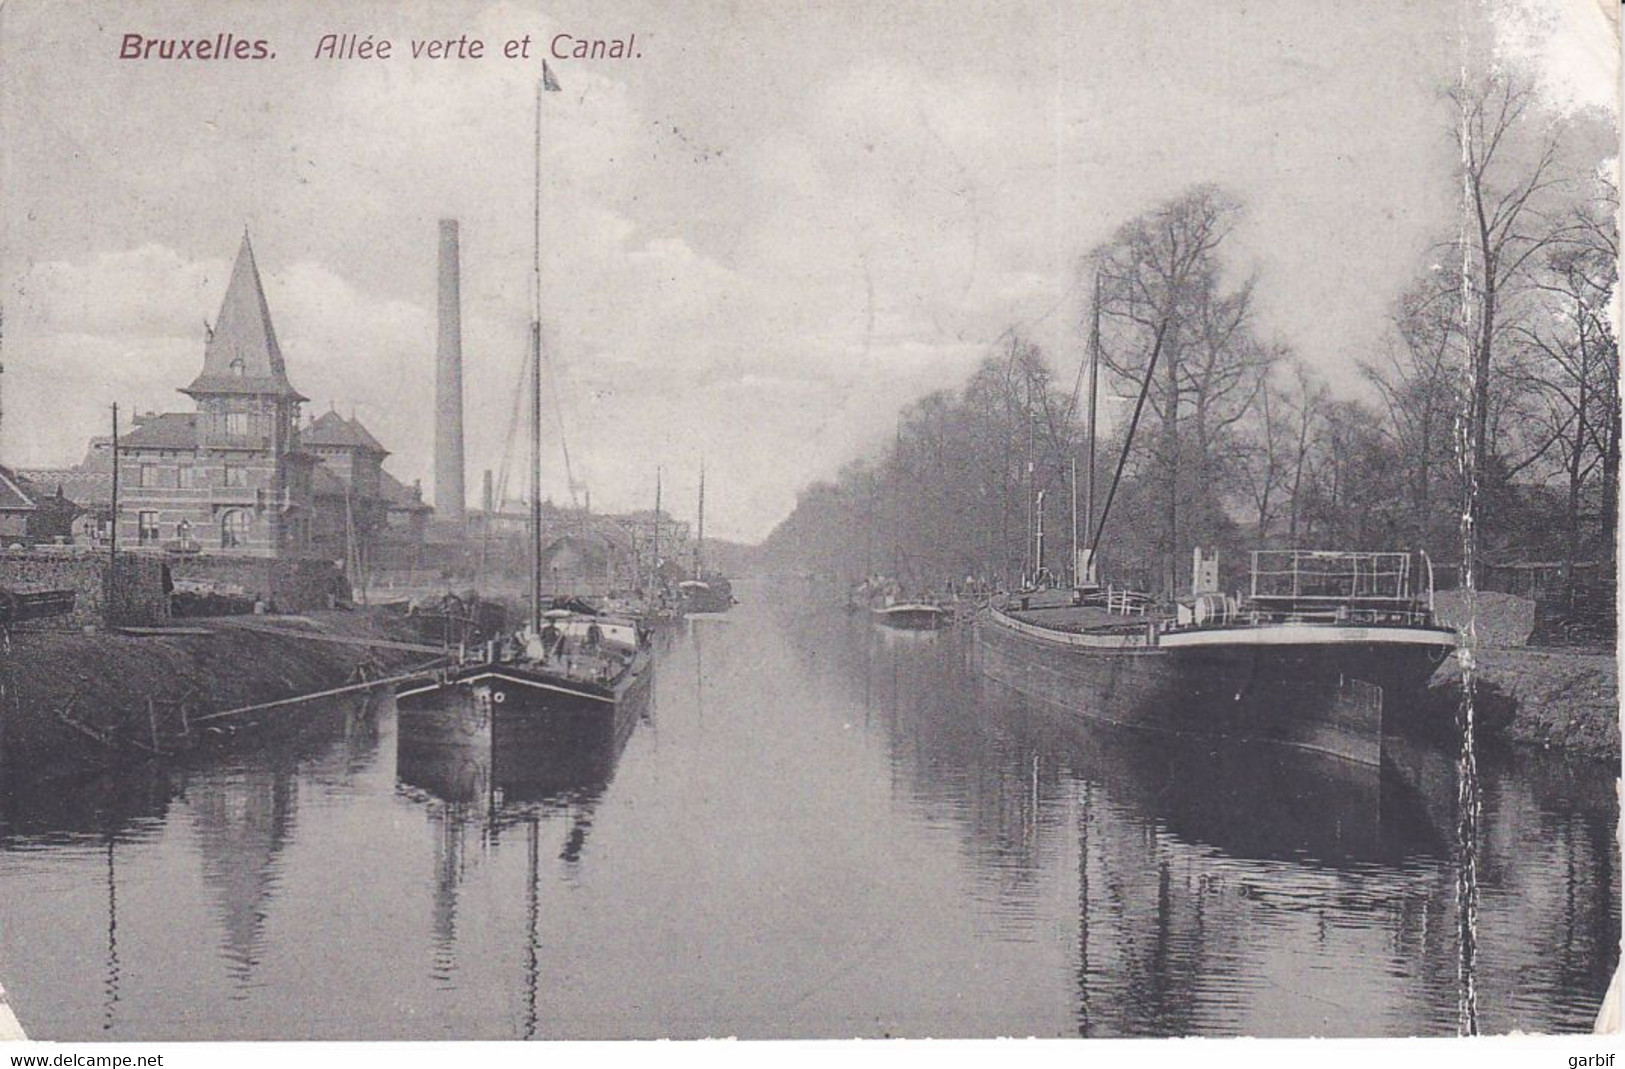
(808, 520)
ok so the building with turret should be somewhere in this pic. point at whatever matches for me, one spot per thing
(231, 477)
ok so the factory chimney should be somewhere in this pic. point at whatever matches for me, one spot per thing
(448, 386)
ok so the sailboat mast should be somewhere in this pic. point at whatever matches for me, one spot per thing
(1038, 536)
(1032, 479)
(869, 531)
(699, 542)
(1072, 561)
(1094, 394)
(112, 541)
(897, 507)
(536, 383)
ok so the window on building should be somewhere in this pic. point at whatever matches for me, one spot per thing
(158, 475)
(147, 528)
(234, 529)
(239, 424)
(186, 477)
(236, 475)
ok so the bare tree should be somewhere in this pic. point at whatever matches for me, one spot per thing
(1571, 381)
(1154, 273)
(1224, 368)
(1304, 402)
(1505, 225)
(1263, 468)
(1420, 381)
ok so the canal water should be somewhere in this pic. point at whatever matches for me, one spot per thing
(816, 829)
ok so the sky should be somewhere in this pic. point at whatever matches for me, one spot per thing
(759, 239)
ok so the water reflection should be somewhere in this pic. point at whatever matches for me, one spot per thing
(488, 768)
(479, 775)
(829, 830)
(1226, 890)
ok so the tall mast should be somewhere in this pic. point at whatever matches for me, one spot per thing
(897, 507)
(536, 382)
(869, 531)
(1032, 478)
(112, 544)
(1038, 536)
(699, 543)
(1072, 561)
(1094, 386)
(656, 553)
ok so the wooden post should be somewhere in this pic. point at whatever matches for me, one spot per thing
(110, 609)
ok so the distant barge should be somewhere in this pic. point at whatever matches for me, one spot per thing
(912, 616)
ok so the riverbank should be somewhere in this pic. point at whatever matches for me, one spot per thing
(11, 1030)
(1548, 698)
(73, 698)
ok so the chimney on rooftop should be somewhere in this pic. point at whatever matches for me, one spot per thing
(448, 394)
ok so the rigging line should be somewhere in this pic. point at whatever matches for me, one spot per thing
(519, 394)
(1128, 441)
(558, 415)
(499, 492)
(1084, 361)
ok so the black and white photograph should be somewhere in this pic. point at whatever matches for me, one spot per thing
(809, 520)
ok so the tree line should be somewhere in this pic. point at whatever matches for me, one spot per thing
(1488, 428)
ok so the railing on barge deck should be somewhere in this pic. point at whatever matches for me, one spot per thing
(1337, 585)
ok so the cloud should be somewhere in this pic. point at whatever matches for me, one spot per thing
(748, 253)
(150, 291)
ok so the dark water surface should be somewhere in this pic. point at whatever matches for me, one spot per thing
(817, 830)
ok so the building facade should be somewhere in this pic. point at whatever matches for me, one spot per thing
(347, 490)
(231, 477)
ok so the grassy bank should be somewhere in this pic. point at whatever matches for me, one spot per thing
(71, 698)
(1554, 699)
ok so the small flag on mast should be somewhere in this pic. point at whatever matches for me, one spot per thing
(550, 83)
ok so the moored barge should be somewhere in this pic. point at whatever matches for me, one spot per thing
(1306, 659)
(912, 616)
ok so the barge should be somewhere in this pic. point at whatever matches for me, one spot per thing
(1306, 659)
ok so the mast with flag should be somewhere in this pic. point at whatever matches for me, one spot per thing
(527, 683)
(548, 84)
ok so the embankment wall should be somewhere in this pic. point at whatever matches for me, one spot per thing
(287, 584)
(61, 691)
(141, 596)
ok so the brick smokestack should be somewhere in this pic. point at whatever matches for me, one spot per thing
(448, 385)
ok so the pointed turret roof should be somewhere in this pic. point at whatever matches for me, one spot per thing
(241, 355)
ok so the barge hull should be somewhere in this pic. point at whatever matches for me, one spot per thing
(911, 619)
(1325, 699)
(529, 749)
